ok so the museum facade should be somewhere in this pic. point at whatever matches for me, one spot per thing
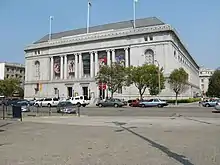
(67, 64)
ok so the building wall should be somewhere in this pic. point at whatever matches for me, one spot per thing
(2, 71)
(166, 49)
(204, 76)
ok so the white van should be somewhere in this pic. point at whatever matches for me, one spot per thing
(80, 100)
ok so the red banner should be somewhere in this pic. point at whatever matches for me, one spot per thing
(102, 86)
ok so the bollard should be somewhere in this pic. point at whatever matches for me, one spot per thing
(49, 111)
(78, 111)
(3, 112)
(37, 109)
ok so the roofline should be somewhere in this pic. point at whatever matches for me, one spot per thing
(124, 32)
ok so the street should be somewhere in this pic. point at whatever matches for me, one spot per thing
(145, 136)
(193, 111)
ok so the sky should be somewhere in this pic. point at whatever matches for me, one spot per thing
(24, 21)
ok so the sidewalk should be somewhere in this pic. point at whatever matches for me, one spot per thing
(195, 104)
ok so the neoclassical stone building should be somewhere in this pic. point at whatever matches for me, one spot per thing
(67, 64)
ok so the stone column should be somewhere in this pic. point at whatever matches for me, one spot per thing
(126, 57)
(76, 66)
(108, 57)
(91, 65)
(61, 67)
(51, 68)
(113, 55)
(65, 67)
(96, 63)
(80, 65)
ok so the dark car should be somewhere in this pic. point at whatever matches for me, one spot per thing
(25, 107)
(66, 107)
(110, 103)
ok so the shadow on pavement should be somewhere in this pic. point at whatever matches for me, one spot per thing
(180, 158)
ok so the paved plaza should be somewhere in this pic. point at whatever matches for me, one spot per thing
(113, 140)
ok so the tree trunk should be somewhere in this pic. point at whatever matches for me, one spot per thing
(112, 93)
(176, 99)
(141, 95)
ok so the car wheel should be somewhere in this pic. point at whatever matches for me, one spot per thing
(37, 105)
(84, 105)
(116, 105)
(78, 105)
(100, 105)
(49, 105)
(207, 105)
(142, 106)
(159, 106)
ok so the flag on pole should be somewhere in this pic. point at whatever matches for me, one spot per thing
(51, 17)
(89, 2)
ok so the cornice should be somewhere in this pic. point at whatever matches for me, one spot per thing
(99, 36)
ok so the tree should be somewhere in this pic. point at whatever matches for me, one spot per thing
(178, 81)
(144, 77)
(10, 86)
(114, 76)
(154, 81)
(214, 85)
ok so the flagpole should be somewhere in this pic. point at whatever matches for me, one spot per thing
(134, 14)
(88, 16)
(50, 30)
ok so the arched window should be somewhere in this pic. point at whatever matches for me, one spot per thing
(37, 69)
(149, 56)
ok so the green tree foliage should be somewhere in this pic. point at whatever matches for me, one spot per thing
(154, 81)
(114, 76)
(214, 85)
(144, 77)
(178, 81)
(10, 86)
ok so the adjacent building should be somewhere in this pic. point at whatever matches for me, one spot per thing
(68, 63)
(204, 76)
(12, 70)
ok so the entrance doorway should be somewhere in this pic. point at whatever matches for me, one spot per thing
(85, 91)
(70, 91)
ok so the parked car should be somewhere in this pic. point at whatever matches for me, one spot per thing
(110, 103)
(210, 103)
(47, 102)
(134, 103)
(25, 107)
(153, 103)
(66, 107)
(79, 100)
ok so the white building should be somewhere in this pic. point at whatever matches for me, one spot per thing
(12, 70)
(204, 76)
(70, 61)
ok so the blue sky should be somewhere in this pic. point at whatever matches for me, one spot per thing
(25, 21)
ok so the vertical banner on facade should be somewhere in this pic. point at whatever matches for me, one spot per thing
(40, 87)
(120, 59)
(56, 65)
(102, 61)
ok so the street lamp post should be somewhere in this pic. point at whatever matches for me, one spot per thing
(158, 75)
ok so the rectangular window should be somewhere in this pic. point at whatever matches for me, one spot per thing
(145, 38)
(202, 80)
(151, 38)
(120, 90)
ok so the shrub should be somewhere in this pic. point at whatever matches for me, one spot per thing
(190, 100)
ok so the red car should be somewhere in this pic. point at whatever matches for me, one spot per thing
(134, 103)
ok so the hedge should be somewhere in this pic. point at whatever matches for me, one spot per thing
(190, 100)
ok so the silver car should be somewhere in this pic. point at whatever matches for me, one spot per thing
(25, 107)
